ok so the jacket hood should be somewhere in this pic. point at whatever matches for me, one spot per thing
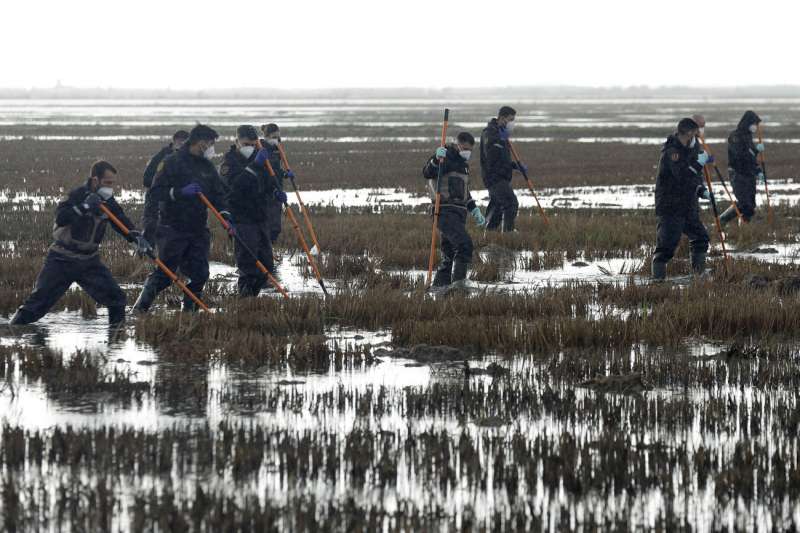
(749, 118)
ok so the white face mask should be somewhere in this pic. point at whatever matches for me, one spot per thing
(703, 131)
(247, 151)
(209, 153)
(693, 142)
(272, 142)
(753, 128)
(465, 154)
(510, 126)
(105, 193)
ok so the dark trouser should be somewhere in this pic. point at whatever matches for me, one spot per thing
(503, 206)
(150, 218)
(183, 252)
(257, 238)
(456, 246)
(744, 188)
(274, 215)
(670, 229)
(60, 271)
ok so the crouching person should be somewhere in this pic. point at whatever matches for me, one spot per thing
(678, 187)
(74, 255)
(456, 202)
(251, 193)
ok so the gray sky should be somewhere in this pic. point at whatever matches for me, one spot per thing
(401, 43)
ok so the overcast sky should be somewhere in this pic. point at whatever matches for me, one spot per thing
(397, 43)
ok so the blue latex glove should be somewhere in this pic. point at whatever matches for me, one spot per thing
(522, 167)
(441, 152)
(262, 157)
(143, 246)
(290, 174)
(760, 147)
(91, 203)
(702, 158)
(280, 196)
(193, 189)
(707, 195)
(504, 134)
(761, 178)
(478, 216)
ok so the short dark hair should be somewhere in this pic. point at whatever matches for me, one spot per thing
(270, 128)
(99, 169)
(686, 125)
(247, 132)
(506, 111)
(466, 137)
(201, 132)
(180, 135)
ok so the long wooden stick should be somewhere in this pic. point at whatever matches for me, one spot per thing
(227, 225)
(770, 217)
(303, 209)
(707, 175)
(437, 204)
(164, 268)
(721, 179)
(517, 160)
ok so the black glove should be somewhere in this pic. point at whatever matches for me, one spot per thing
(90, 204)
(143, 247)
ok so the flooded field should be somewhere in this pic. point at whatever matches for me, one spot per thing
(559, 390)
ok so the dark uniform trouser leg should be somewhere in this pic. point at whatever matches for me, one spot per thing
(698, 241)
(274, 216)
(744, 187)
(258, 238)
(457, 245)
(183, 252)
(55, 278)
(96, 279)
(150, 218)
(59, 272)
(503, 206)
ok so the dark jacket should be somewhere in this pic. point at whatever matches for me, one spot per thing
(250, 187)
(78, 235)
(152, 166)
(496, 161)
(678, 184)
(454, 185)
(742, 154)
(183, 213)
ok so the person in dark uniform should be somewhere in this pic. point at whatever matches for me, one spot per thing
(497, 167)
(182, 235)
(743, 167)
(678, 186)
(150, 217)
(250, 190)
(74, 255)
(456, 201)
(272, 138)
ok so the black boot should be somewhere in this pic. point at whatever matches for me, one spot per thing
(146, 297)
(116, 315)
(22, 317)
(460, 273)
(189, 306)
(699, 263)
(728, 215)
(443, 274)
(659, 271)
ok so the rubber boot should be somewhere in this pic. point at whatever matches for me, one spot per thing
(659, 271)
(728, 215)
(146, 297)
(116, 315)
(22, 317)
(698, 263)
(460, 274)
(443, 274)
(188, 304)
